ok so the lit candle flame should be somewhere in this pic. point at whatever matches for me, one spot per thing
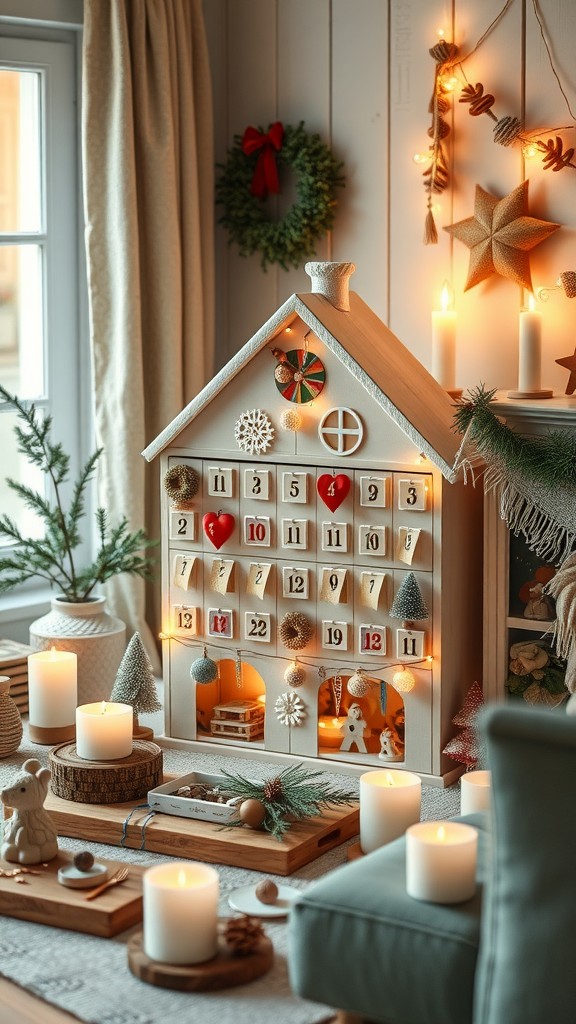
(103, 708)
(441, 834)
(531, 303)
(446, 297)
(181, 878)
(389, 779)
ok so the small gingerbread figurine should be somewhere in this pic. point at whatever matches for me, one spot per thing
(29, 835)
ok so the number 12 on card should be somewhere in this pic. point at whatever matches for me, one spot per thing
(372, 639)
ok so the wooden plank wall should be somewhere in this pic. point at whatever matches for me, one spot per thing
(359, 73)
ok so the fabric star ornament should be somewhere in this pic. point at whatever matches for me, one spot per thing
(500, 236)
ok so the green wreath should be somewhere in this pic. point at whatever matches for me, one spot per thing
(292, 239)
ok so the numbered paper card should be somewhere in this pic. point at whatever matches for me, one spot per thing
(372, 639)
(295, 582)
(182, 526)
(333, 585)
(295, 487)
(182, 566)
(257, 484)
(222, 575)
(334, 635)
(373, 491)
(406, 545)
(221, 481)
(257, 627)
(335, 537)
(221, 622)
(294, 533)
(184, 620)
(370, 588)
(258, 574)
(412, 494)
(257, 531)
(410, 643)
(372, 540)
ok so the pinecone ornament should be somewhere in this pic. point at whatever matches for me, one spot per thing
(272, 789)
(242, 935)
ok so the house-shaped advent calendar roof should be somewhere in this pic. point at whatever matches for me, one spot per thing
(371, 353)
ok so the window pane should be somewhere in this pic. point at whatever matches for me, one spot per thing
(17, 468)
(20, 182)
(21, 320)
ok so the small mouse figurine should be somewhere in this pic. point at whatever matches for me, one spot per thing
(29, 835)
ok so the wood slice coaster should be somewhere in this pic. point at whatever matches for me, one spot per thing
(223, 971)
(105, 782)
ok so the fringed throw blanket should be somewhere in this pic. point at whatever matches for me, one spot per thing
(535, 480)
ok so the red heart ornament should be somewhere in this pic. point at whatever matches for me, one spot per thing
(333, 489)
(218, 526)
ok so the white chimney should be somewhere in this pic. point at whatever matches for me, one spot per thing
(332, 281)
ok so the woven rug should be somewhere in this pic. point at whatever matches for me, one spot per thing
(89, 976)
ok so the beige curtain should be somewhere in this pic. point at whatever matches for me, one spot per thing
(148, 196)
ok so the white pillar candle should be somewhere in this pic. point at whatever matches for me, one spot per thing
(530, 348)
(444, 342)
(475, 792)
(389, 802)
(441, 861)
(104, 731)
(52, 689)
(180, 913)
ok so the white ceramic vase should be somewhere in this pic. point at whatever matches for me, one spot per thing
(87, 630)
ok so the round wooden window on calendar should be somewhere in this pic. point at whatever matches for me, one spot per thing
(341, 431)
(299, 375)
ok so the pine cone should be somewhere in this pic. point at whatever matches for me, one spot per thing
(273, 789)
(242, 935)
(507, 130)
(443, 51)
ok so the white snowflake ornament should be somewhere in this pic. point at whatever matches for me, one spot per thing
(253, 432)
(290, 709)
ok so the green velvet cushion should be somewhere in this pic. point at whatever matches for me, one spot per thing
(359, 943)
(526, 965)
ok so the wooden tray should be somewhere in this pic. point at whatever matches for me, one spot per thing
(198, 840)
(45, 901)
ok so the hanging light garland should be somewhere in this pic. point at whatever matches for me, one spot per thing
(508, 130)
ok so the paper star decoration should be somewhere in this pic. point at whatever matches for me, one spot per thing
(500, 236)
(570, 363)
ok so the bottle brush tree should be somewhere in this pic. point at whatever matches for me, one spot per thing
(409, 605)
(53, 557)
(135, 683)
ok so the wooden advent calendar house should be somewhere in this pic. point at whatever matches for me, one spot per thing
(301, 488)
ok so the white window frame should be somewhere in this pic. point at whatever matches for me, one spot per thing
(32, 44)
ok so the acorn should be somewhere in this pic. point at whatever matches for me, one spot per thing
(83, 860)
(252, 813)
(266, 891)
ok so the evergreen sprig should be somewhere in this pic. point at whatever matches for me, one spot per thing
(293, 795)
(548, 459)
(52, 557)
(292, 239)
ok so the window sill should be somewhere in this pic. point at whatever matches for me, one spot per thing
(23, 605)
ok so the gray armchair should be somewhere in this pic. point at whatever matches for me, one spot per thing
(359, 943)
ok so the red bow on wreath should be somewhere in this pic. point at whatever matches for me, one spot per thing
(265, 178)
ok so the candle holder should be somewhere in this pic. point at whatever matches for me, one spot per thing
(224, 971)
(101, 782)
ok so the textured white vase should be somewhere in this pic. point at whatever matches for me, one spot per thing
(87, 630)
